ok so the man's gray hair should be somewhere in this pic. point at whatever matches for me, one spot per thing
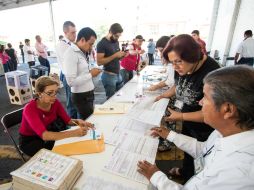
(67, 24)
(234, 85)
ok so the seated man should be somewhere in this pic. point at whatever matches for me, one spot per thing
(225, 160)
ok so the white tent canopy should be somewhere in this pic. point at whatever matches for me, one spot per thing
(10, 4)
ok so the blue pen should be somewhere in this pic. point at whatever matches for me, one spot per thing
(94, 138)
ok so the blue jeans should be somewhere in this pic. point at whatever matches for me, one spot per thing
(111, 83)
(126, 75)
(71, 110)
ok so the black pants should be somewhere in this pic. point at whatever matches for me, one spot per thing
(44, 62)
(31, 63)
(246, 60)
(30, 145)
(151, 58)
(12, 64)
(83, 102)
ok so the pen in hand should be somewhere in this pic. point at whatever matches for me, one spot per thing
(76, 123)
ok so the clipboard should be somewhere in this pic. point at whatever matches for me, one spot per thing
(82, 147)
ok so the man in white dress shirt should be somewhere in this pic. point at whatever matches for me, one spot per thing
(226, 160)
(29, 53)
(69, 38)
(245, 50)
(77, 72)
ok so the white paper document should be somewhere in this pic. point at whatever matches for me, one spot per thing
(134, 142)
(96, 183)
(139, 144)
(124, 164)
(89, 136)
(146, 116)
(148, 111)
(134, 125)
(148, 103)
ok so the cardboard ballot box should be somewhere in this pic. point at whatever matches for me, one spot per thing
(19, 96)
(17, 79)
(18, 87)
(38, 70)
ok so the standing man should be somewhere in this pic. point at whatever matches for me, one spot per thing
(108, 55)
(131, 61)
(69, 38)
(151, 51)
(13, 62)
(246, 50)
(195, 35)
(42, 52)
(21, 46)
(77, 72)
(29, 54)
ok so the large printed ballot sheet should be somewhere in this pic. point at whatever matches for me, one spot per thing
(149, 111)
(134, 142)
(124, 164)
(128, 123)
(131, 147)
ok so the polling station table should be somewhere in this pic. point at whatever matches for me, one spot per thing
(93, 164)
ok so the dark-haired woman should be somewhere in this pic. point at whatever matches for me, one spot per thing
(190, 66)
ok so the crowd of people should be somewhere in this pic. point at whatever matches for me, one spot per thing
(217, 122)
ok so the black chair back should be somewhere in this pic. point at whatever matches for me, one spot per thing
(10, 120)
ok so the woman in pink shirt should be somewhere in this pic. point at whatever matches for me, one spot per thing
(44, 117)
(4, 58)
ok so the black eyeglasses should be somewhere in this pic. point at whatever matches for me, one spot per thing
(51, 94)
(176, 62)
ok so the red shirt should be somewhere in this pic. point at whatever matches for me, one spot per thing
(35, 120)
(203, 46)
(4, 57)
(130, 63)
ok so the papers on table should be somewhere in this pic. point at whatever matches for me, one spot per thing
(124, 164)
(134, 142)
(128, 123)
(148, 111)
(113, 108)
(97, 183)
(131, 147)
(89, 136)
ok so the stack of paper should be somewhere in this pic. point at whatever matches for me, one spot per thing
(47, 171)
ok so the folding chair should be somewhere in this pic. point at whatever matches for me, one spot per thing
(10, 120)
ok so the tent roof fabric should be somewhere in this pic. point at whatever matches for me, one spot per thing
(10, 4)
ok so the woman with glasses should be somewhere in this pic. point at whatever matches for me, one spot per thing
(191, 66)
(44, 117)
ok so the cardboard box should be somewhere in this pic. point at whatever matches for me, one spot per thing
(37, 71)
(17, 79)
(19, 96)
